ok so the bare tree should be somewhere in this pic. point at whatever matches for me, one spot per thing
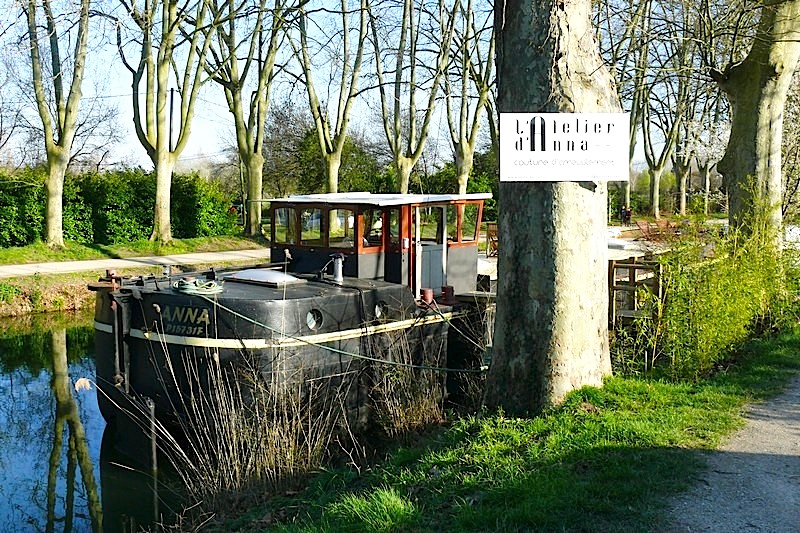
(671, 62)
(96, 131)
(551, 329)
(416, 63)
(234, 62)
(689, 138)
(757, 87)
(790, 158)
(171, 39)
(655, 46)
(10, 113)
(57, 95)
(624, 33)
(343, 53)
(468, 85)
(704, 139)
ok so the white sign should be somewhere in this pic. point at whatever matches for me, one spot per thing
(564, 146)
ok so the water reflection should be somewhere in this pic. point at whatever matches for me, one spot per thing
(54, 458)
(67, 416)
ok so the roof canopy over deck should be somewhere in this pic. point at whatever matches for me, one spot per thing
(380, 200)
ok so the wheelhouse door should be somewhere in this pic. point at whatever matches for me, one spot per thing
(397, 246)
(429, 247)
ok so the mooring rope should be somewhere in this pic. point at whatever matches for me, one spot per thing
(197, 287)
(343, 352)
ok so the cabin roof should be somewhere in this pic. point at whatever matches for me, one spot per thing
(381, 200)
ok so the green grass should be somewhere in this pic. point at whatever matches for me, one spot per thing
(41, 253)
(606, 460)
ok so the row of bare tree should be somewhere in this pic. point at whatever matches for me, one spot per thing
(687, 71)
(672, 61)
(407, 55)
(692, 77)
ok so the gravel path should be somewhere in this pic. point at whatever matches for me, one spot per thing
(752, 482)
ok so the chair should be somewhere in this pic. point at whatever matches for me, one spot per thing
(491, 239)
(650, 231)
(666, 228)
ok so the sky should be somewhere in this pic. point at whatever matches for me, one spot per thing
(212, 128)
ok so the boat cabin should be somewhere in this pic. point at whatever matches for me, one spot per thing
(418, 240)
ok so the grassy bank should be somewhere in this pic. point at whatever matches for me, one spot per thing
(41, 253)
(607, 460)
(60, 292)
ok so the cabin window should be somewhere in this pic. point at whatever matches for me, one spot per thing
(394, 228)
(342, 231)
(469, 222)
(283, 223)
(452, 223)
(373, 227)
(311, 219)
(430, 230)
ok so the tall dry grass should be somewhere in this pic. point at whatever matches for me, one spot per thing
(242, 433)
(245, 432)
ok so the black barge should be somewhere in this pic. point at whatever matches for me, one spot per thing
(351, 275)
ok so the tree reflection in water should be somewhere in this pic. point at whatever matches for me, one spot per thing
(54, 473)
(67, 415)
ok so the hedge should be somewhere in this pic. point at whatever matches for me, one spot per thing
(110, 207)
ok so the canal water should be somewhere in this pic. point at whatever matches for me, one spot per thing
(59, 468)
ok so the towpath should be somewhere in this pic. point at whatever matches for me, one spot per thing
(752, 481)
(8, 271)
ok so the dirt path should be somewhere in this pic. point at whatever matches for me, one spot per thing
(753, 480)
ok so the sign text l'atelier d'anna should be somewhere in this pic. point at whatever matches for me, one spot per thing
(564, 146)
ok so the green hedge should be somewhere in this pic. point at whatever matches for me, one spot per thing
(121, 204)
(200, 209)
(110, 208)
(22, 201)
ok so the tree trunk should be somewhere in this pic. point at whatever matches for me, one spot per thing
(757, 90)
(628, 193)
(655, 192)
(57, 162)
(254, 173)
(162, 230)
(551, 333)
(464, 157)
(333, 161)
(682, 172)
(404, 166)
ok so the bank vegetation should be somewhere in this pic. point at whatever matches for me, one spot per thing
(724, 334)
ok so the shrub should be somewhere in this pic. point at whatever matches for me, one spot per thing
(121, 205)
(77, 214)
(200, 208)
(8, 292)
(22, 201)
(717, 292)
(110, 208)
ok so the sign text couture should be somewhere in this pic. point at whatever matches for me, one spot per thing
(564, 146)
